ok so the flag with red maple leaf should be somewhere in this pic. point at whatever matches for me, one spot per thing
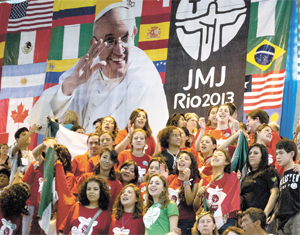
(19, 115)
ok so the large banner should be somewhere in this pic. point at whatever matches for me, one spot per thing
(162, 56)
(206, 55)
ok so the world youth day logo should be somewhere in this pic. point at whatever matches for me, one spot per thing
(203, 26)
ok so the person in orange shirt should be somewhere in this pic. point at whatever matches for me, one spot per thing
(224, 130)
(80, 162)
(107, 140)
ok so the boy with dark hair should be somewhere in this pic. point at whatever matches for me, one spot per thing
(19, 155)
(254, 119)
(288, 207)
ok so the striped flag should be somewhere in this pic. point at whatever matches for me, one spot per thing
(154, 33)
(264, 91)
(70, 41)
(20, 81)
(4, 16)
(30, 15)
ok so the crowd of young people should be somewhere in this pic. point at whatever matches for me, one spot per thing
(128, 183)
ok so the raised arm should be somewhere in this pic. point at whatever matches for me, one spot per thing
(226, 143)
(123, 144)
(23, 139)
(198, 140)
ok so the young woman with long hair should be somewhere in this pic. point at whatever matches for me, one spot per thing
(108, 124)
(93, 196)
(183, 188)
(259, 188)
(205, 225)
(161, 214)
(138, 142)
(128, 173)
(218, 192)
(137, 120)
(127, 216)
(156, 165)
(106, 170)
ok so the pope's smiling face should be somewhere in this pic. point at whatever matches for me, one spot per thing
(113, 30)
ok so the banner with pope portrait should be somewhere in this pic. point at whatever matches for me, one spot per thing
(162, 56)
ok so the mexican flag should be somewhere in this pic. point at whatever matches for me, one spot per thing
(47, 192)
(54, 190)
(75, 142)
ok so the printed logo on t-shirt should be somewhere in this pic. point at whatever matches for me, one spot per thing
(145, 163)
(227, 134)
(294, 185)
(7, 227)
(143, 189)
(84, 223)
(142, 171)
(270, 157)
(173, 195)
(151, 216)
(215, 197)
(117, 231)
(41, 181)
(273, 179)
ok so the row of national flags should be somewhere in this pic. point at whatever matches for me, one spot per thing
(266, 56)
(40, 39)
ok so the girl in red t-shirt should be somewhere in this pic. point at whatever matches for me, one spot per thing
(105, 169)
(127, 217)
(93, 196)
(128, 173)
(183, 188)
(138, 142)
(221, 189)
(137, 120)
(208, 145)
